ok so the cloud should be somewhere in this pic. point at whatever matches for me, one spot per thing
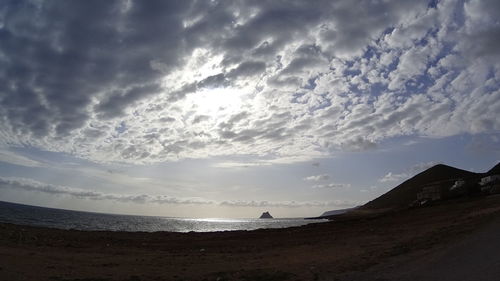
(32, 185)
(390, 177)
(398, 177)
(325, 177)
(284, 160)
(57, 190)
(240, 164)
(332, 185)
(322, 177)
(359, 144)
(481, 29)
(145, 82)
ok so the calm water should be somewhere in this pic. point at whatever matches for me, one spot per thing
(65, 219)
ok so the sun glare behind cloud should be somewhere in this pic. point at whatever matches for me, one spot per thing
(217, 102)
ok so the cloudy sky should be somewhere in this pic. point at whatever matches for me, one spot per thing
(230, 108)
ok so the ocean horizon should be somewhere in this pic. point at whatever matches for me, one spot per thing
(22, 214)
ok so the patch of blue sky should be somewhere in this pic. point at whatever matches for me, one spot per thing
(433, 4)
(311, 83)
(121, 128)
(296, 98)
(391, 67)
(445, 50)
(326, 102)
(371, 52)
(13, 170)
(376, 89)
(351, 72)
(418, 85)
(450, 150)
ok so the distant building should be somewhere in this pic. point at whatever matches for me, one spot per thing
(463, 186)
(459, 184)
(489, 180)
(454, 188)
(441, 190)
(490, 184)
(431, 192)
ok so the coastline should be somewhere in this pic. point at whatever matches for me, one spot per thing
(360, 247)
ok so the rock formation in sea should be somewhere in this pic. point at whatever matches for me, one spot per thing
(266, 215)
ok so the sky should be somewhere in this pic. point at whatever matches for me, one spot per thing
(232, 108)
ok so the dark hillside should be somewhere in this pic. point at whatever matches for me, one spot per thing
(405, 193)
(495, 170)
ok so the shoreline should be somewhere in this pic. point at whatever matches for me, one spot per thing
(362, 247)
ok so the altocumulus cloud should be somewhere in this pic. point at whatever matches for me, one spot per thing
(152, 81)
(332, 185)
(32, 185)
(322, 177)
(415, 169)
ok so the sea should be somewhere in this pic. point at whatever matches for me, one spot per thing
(78, 220)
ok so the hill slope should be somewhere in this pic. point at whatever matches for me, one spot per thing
(495, 170)
(405, 193)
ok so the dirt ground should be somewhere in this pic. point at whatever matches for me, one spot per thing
(415, 244)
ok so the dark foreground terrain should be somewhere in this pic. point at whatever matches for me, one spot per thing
(456, 240)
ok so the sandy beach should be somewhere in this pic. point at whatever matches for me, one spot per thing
(389, 246)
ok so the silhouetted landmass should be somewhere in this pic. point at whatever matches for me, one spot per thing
(266, 215)
(494, 171)
(332, 213)
(404, 194)
(335, 212)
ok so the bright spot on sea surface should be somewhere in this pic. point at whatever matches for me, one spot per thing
(217, 220)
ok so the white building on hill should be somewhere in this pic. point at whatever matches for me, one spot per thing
(489, 180)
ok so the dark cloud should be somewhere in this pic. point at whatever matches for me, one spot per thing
(93, 133)
(483, 30)
(166, 119)
(279, 20)
(115, 103)
(214, 81)
(359, 144)
(274, 127)
(349, 36)
(200, 118)
(62, 56)
(248, 68)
